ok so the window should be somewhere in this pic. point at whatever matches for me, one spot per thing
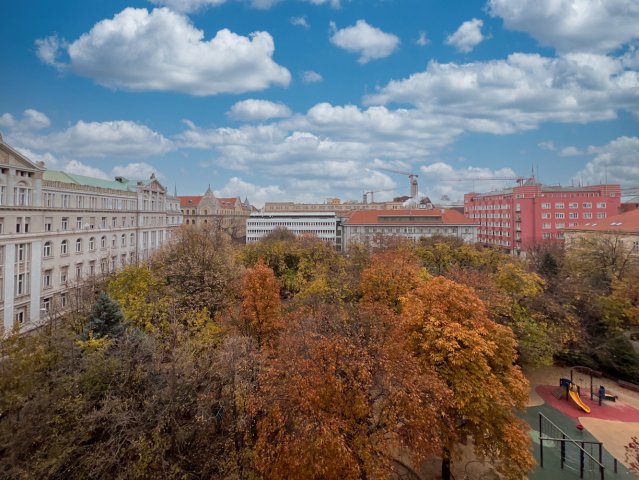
(545, 226)
(559, 215)
(22, 252)
(573, 205)
(559, 225)
(573, 215)
(78, 271)
(103, 241)
(65, 223)
(3, 190)
(601, 215)
(64, 247)
(22, 224)
(1, 225)
(123, 240)
(22, 284)
(545, 216)
(91, 244)
(114, 222)
(46, 252)
(64, 272)
(559, 205)
(78, 245)
(587, 216)
(545, 236)
(48, 224)
(587, 205)
(601, 205)
(66, 200)
(78, 223)
(46, 279)
(20, 316)
(92, 267)
(21, 196)
(114, 241)
(79, 201)
(49, 199)
(103, 222)
(63, 299)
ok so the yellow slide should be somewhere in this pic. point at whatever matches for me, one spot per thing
(575, 398)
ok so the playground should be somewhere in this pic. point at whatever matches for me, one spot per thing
(585, 423)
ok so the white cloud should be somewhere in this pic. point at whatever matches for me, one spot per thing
(252, 109)
(100, 139)
(257, 195)
(80, 168)
(135, 171)
(520, 92)
(309, 76)
(369, 42)
(332, 3)
(48, 50)
(50, 161)
(31, 120)
(548, 145)
(422, 40)
(437, 180)
(467, 36)
(163, 51)
(572, 25)
(188, 6)
(616, 162)
(570, 152)
(300, 22)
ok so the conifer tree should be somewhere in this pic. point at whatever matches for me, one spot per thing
(105, 319)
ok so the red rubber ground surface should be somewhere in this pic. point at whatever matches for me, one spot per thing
(608, 411)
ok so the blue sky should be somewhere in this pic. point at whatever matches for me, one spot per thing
(306, 99)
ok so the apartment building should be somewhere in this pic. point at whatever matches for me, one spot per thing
(522, 217)
(321, 224)
(229, 214)
(623, 228)
(371, 227)
(58, 228)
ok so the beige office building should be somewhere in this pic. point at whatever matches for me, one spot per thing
(58, 228)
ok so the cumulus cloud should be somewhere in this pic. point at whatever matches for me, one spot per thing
(369, 42)
(467, 36)
(31, 120)
(309, 76)
(572, 25)
(441, 178)
(252, 109)
(300, 22)
(422, 39)
(135, 171)
(548, 145)
(99, 139)
(50, 160)
(520, 92)
(616, 162)
(163, 51)
(257, 195)
(80, 168)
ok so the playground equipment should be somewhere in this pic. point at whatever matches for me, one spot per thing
(581, 455)
(573, 393)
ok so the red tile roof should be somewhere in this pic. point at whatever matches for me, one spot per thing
(371, 217)
(627, 222)
(228, 202)
(191, 201)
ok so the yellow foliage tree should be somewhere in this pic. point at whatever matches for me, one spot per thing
(261, 307)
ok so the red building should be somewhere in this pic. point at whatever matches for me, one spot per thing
(524, 216)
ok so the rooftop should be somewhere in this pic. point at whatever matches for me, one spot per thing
(409, 217)
(623, 223)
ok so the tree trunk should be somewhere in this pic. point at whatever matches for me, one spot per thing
(446, 464)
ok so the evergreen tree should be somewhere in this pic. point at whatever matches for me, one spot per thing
(105, 318)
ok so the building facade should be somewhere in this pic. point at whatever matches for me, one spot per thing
(229, 214)
(371, 227)
(334, 205)
(522, 217)
(58, 228)
(321, 224)
(623, 227)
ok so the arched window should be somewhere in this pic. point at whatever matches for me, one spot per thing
(64, 247)
(123, 240)
(78, 245)
(92, 243)
(103, 241)
(47, 249)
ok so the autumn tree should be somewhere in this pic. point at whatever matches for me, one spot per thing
(105, 318)
(261, 308)
(449, 331)
(341, 398)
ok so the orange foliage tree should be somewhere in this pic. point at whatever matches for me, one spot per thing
(341, 398)
(261, 307)
(449, 331)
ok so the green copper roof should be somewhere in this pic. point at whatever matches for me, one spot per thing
(126, 185)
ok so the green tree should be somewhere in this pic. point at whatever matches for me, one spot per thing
(105, 318)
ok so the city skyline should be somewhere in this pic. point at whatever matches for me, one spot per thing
(302, 100)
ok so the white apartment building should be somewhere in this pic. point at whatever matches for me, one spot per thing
(321, 224)
(371, 227)
(57, 228)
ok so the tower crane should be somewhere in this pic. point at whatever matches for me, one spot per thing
(414, 190)
(372, 194)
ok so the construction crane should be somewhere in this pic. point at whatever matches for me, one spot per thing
(519, 180)
(414, 190)
(372, 194)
